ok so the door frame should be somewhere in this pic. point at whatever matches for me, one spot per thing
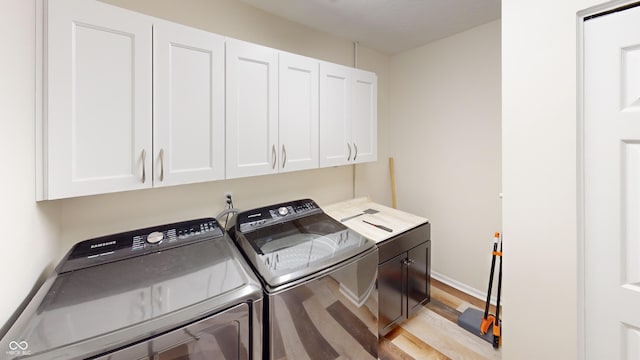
(582, 15)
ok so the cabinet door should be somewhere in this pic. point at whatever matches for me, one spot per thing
(188, 105)
(252, 110)
(418, 277)
(364, 119)
(98, 85)
(298, 120)
(335, 115)
(391, 289)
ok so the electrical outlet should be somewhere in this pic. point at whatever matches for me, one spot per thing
(228, 198)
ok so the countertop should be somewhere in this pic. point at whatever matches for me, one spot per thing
(398, 221)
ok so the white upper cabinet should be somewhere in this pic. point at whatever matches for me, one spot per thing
(298, 109)
(98, 108)
(335, 115)
(133, 102)
(364, 116)
(252, 110)
(348, 115)
(188, 133)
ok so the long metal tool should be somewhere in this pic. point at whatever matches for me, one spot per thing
(367, 211)
(378, 226)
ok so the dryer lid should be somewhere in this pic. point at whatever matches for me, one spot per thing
(286, 251)
(97, 308)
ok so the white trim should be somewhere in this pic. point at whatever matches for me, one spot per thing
(478, 294)
(39, 105)
(580, 186)
(580, 16)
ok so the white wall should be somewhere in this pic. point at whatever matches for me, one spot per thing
(539, 177)
(29, 230)
(445, 138)
(39, 234)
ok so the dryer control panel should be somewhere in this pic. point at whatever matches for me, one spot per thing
(273, 214)
(138, 242)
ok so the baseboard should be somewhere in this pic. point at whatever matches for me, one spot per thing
(478, 294)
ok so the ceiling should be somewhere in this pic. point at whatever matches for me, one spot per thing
(389, 26)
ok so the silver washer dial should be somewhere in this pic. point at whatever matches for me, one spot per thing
(155, 237)
(283, 211)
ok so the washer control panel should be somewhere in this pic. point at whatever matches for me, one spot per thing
(258, 218)
(138, 242)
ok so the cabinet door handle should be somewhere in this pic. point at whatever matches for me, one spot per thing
(349, 156)
(284, 156)
(356, 155)
(161, 164)
(143, 157)
(273, 156)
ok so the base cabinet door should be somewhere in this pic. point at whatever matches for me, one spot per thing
(403, 285)
(418, 279)
(391, 289)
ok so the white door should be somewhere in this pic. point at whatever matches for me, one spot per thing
(188, 105)
(252, 110)
(335, 115)
(298, 112)
(612, 185)
(364, 119)
(98, 99)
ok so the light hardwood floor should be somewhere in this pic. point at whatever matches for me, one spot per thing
(433, 333)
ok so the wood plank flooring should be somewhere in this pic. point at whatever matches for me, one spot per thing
(433, 333)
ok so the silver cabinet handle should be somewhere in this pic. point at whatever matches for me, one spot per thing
(161, 164)
(143, 158)
(284, 156)
(356, 155)
(349, 156)
(273, 156)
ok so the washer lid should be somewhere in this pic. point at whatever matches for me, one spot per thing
(94, 309)
(289, 250)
